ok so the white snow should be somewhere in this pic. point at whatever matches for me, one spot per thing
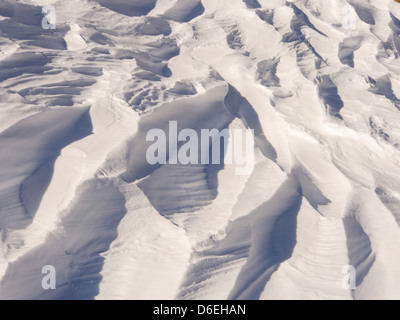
(77, 192)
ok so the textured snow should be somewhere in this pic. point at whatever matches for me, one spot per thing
(77, 193)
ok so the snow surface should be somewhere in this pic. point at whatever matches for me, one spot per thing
(77, 193)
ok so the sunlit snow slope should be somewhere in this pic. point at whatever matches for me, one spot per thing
(77, 193)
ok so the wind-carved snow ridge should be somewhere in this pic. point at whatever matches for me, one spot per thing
(318, 82)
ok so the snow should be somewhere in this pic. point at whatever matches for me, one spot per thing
(76, 189)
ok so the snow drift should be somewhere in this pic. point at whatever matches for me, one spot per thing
(77, 193)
